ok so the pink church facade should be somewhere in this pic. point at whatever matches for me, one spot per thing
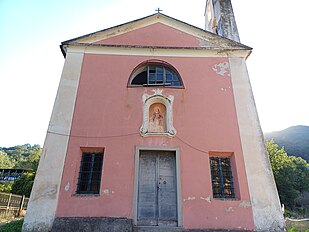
(154, 135)
(197, 114)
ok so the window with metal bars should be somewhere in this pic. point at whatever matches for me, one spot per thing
(90, 173)
(154, 74)
(222, 178)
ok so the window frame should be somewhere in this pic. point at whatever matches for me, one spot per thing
(222, 178)
(156, 64)
(90, 181)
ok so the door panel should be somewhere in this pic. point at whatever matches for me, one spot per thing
(157, 189)
(147, 196)
(167, 195)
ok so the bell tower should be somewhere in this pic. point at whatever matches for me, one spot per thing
(265, 204)
(219, 19)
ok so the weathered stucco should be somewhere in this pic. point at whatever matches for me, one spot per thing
(109, 114)
(220, 19)
(126, 35)
(264, 197)
(151, 37)
(44, 196)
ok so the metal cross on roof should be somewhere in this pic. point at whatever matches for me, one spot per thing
(158, 10)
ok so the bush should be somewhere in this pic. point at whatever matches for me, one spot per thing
(14, 226)
(293, 229)
(6, 187)
(295, 226)
(23, 185)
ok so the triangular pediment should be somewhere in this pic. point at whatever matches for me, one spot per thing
(157, 30)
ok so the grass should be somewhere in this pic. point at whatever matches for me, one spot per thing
(292, 226)
(302, 226)
(14, 226)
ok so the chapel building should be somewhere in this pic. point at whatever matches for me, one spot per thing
(155, 128)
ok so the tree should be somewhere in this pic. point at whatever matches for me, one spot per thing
(32, 159)
(23, 185)
(6, 187)
(20, 157)
(23, 156)
(5, 161)
(290, 172)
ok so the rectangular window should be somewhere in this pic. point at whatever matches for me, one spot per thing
(222, 179)
(90, 173)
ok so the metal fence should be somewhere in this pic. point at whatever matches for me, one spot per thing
(11, 204)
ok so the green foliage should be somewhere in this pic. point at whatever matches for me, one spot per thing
(31, 162)
(22, 156)
(6, 187)
(301, 226)
(294, 139)
(23, 185)
(14, 226)
(293, 229)
(290, 172)
(5, 161)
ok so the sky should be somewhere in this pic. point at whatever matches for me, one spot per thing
(31, 61)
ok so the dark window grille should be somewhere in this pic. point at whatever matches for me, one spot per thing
(222, 179)
(157, 75)
(90, 173)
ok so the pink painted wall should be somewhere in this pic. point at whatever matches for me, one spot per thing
(109, 114)
(152, 36)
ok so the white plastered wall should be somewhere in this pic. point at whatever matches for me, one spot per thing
(265, 202)
(44, 197)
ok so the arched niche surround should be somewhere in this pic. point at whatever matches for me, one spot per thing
(167, 101)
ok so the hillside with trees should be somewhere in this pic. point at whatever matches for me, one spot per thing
(20, 157)
(292, 178)
(295, 140)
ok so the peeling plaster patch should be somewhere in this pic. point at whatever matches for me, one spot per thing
(67, 187)
(205, 44)
(189, 199)
(225, 89)
(229, 209)
(208, 199)
(45, 192)
(222, 69)
(106, 191)
(245, 204)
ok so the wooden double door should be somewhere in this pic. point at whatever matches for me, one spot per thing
(157, 189)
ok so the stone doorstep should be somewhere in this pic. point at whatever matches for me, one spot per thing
(106, 224)
(92, 224)
(156, 229)
(172, 229)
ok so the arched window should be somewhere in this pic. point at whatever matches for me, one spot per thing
(155, 74)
